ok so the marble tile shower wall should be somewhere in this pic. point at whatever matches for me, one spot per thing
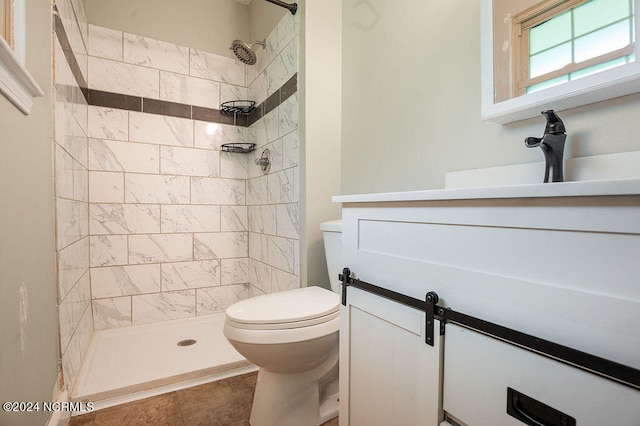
(173, 220)
(273, 199)
(71, 188)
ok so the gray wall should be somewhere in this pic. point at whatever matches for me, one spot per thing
(263, 17)
(28, 347)
(209, 25)
(411, 101)
(319, 78)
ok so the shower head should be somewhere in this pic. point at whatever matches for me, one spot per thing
(245, 52)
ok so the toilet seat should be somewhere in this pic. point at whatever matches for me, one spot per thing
(285, 317)
(297, 308)
(283, 325)
(245, 335)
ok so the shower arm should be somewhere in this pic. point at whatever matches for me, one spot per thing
(293, 7)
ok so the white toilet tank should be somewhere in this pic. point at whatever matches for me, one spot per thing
(332, 236)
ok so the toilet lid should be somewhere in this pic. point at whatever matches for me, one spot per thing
(301, 304)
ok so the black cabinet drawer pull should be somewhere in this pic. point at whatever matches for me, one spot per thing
(533, 412)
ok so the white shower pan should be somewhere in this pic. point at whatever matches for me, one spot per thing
(131, 363)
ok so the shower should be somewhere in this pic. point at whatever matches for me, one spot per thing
(245, 51)
(203, 245)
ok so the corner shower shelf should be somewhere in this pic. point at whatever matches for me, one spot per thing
(237, 107)
(240, 147)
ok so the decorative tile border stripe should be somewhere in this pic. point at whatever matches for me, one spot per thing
(273, 101)
(172, 109)
(68, 52)
(114, 100)
(216, 116)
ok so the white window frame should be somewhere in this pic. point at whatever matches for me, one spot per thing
(527, 20)
(16, 83)
(609, 84)
(7, 13)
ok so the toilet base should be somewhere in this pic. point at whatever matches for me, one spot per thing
(300, 399)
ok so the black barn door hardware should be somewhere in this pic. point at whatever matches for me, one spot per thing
(602, 367)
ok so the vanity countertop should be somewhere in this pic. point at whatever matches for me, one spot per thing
(592, 188)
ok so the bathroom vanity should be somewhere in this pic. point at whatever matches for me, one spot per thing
(557, 263)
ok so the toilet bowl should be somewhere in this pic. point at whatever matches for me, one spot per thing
(292, 336)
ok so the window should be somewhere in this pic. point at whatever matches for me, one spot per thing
(563, 40)
(16, 84)
(6, 21)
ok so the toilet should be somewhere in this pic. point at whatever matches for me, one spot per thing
(292, 336)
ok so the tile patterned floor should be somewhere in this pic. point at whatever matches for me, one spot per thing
(223, 403)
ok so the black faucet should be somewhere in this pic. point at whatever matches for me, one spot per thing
(552, 144)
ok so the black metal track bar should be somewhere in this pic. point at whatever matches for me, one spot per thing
(380, 291)
(602, 367)
(611, 370)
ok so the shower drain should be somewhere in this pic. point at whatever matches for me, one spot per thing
(187, 342)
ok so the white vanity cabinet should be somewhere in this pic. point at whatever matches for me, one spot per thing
(560, 262)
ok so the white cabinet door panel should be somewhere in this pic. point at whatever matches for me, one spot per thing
(392, 377)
